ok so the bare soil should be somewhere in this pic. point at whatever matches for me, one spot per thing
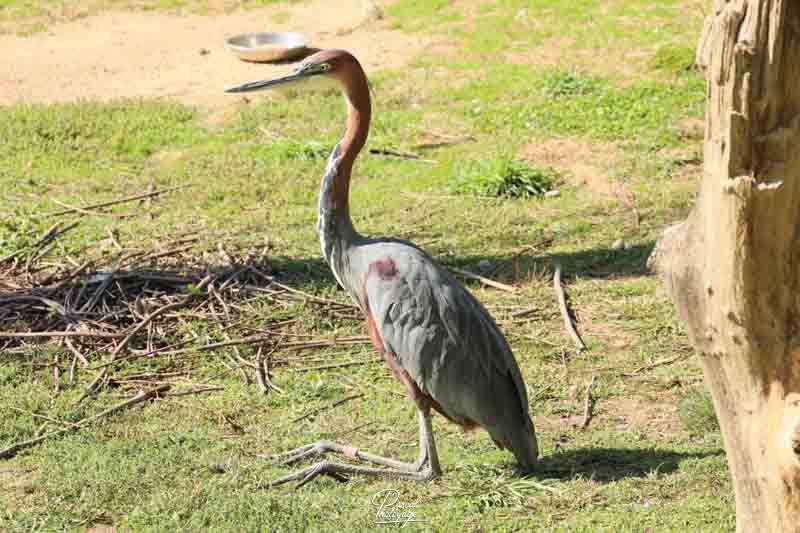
(584, 161)
(124, 54)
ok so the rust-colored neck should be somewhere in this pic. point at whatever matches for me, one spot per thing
(359, 112)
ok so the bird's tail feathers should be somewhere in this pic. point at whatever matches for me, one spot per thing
(525, 446)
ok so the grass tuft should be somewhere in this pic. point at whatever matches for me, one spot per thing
(559, 82)
(676, 59)
(696, 413)
(503, 178)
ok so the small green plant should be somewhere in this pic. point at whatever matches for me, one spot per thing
(560, 82)
(504, 177)
(301, 150)
(696, 413)
(675, 59)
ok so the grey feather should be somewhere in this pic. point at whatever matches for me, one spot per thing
(446, 341)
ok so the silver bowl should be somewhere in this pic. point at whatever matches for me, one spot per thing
(267, 46)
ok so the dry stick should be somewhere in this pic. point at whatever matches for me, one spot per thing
(98, 293)
(261, 366)
(399, 155)
(72, 370)
(55, 306)
(104, 372)
(43, 417)
(588, 405)
(165, 253)
(56, 375)
(11, 451)
(485, 281)
(310, 297)
(61, 284)
(341, 434)
(326, 407)
(147, 319)
(523, 312)
(92, 386)
(113, 239)
(209, 388)
(562, 304)
(255, 339)
(265, 363)
(51, 233)
(660, 362)
(85, 211)
(158, 351)
(337, 365)
(45, 334)
(261, 373)
(239, 367)
(116, 202)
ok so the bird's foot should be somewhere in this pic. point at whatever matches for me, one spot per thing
(321, 447)
(420, 470)
(341, 472)
(306, 475)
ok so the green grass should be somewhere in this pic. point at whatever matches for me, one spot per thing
(503, 177)
(697, 413)
(650, 458)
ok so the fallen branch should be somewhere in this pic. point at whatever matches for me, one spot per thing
(588, 405)
(562, 304)
(298, 292)
(85, 211)
(46, 334)
(147, 319)
(660, 362)
(523, 312)
(95, 383)
(198, 390)
(336, 365)
(399, 155)
(51, 233)
(485, 281)
(327, 407)
(11, 451)
(116, 202)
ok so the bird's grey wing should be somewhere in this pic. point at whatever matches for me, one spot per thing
(445, 339)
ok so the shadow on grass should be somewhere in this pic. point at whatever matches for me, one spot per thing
(308, 274)
(603, 263)
(613, 464)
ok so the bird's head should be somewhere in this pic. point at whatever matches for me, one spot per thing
(329, 63)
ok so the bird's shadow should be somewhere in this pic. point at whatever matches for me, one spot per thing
(597, 263)
(614, 464)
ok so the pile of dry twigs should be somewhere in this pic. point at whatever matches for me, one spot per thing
(136, 302)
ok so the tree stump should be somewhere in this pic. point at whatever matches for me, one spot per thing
(733, 267)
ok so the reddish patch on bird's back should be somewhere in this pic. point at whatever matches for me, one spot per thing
(385, 268)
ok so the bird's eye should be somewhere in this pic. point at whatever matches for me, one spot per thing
(325, 67)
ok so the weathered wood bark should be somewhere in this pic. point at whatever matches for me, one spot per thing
(733, 267)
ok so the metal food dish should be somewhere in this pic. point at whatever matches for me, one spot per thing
(267, 46)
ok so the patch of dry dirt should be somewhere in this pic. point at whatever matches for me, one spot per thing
(559, 51)
(117, 55)
(655, 418)
(635, 412)
(16, 481)
(585, 162)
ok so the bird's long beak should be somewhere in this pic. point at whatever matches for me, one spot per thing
(301, 72)
(265, 84)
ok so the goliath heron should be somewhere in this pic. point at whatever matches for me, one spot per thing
(437, 339)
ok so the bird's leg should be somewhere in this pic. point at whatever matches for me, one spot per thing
(424, 468)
